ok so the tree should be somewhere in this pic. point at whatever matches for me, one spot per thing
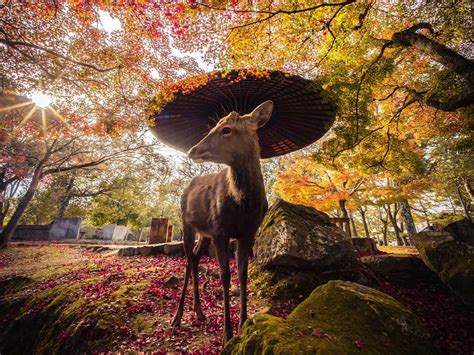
(65, 49)
(309, 183)
(63, 154)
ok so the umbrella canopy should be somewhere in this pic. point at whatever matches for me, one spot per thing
(182, 114)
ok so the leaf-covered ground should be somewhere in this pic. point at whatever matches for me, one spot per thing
(62, 298)
(111, 303)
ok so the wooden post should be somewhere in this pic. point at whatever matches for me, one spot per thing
(169, 237)
(158, 230)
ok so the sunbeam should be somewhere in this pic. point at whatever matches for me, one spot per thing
(26, 118)
(61, 118)
(43, 122)
(8, 108)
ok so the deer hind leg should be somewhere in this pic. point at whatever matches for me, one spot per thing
(243, 251)
(203, 244)
(189, 236)
(222, 248)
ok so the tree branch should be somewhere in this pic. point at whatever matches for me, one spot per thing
(437, 51)
(15, 44)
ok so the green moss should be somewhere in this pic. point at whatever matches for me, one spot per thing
(142, 324)
(331, 320)
(452, 260)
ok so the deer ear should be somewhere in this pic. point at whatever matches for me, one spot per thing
(260, 116)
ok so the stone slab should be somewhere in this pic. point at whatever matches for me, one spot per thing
(65, 228)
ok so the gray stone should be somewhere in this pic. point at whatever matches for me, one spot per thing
(173, 249)
(364, 245)
(397, 268)
(301, 237)
(155, 249)
(114, 232)
(130, 251)
(32, 232)
(65, 228)
(462, 230)
(451, 259)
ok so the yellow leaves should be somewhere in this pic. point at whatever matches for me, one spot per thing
(308, 182)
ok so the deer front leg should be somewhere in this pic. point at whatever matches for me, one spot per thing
(179, 313)
(222, 248)
(203, 244)
(243, 248)
(188, 240)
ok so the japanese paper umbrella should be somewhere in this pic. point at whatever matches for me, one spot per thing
(182, 114)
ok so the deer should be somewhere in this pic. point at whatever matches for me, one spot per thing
(224, 205)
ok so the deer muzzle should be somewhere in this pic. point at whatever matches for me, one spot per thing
(197, 155)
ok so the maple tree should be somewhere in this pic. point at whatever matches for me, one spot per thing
(400, 72)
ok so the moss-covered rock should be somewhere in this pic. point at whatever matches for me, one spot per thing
(364, 245)
(337, 318)
(298, 249)
(400, 269)
(452, 260)
(462, 230)
(300, 237)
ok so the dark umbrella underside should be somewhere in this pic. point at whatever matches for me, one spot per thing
(300, 115)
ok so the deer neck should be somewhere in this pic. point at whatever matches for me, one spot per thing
(245, 180)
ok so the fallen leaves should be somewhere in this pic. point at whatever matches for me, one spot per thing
(147, 287)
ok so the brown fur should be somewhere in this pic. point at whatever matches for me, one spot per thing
(228, 204)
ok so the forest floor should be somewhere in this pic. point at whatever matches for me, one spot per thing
(63, 298)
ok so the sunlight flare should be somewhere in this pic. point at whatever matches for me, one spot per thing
(8, 108)
(41, 100)
(60, 118)
(26, 118)
(43, 121)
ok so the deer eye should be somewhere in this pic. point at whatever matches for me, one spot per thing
(226, 131)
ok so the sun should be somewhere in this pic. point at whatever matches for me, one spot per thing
(39, 102)
(40, 99)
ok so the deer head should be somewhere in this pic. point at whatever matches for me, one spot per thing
(234, 139)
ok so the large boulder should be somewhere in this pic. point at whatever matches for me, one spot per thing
(365, 245)
(462, 230)
(451, 259)
(337, 318)
(300, 237)
(401, 269)
(298, 249)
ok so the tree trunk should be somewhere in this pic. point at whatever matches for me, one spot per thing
(452, 204)
(7, 233)
(3, 211)
(469, 189)
(464, 204)
(354, 229)
(393, 220)
(385, 230)
(364, 222)
(405, 239)
(342, 206)
(408, 219)
(66, 199)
